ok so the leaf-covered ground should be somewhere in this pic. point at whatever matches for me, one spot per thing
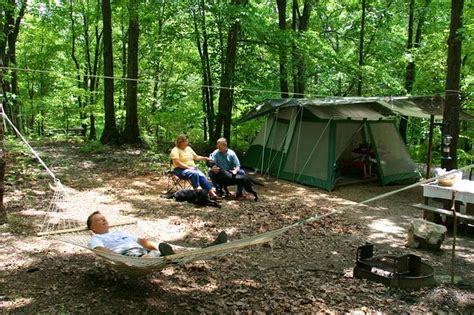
(308, 269)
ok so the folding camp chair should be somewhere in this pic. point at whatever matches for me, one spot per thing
(175, 183)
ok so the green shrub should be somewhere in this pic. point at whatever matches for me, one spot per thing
(95, 147)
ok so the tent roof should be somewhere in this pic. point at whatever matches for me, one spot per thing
(371, 108)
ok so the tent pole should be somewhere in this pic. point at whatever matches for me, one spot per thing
(3, 210)
(314, 148)
(272, 133)
(264, 141)
(430, 147)
(298, 142)
(285, 147)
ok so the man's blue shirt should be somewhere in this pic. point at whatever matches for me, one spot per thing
(227, 161)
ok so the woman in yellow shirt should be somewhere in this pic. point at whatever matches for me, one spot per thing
(183, 158)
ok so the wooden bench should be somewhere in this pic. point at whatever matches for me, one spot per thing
(449, 213)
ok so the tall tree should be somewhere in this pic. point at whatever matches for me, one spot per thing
(131, 133)
(410, 49)
(200, 29)
(281, 5)
(94, 82)
(453, 78)
(80, 102)
(300, 23)
(89, 68)
(10, 21)
(3, 210)
(110, 134)
(361, 46)
(224, 115)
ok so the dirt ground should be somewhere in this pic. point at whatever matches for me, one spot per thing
(308, 269)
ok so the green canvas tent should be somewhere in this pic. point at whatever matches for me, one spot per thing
(308, 141)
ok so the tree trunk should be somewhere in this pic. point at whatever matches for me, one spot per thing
(207, 89)
(94, 84)
(92, 130)
(224, 116)
(123, 94)
(361, 47)
(411, 66)
(453, 78)
(3, 210)
(110, 134)
(82, 115)
(15, 103)
(281, 4)
(300, 24)
(11, 29)
(131, 133)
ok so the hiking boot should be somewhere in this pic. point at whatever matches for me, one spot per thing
(220, 239)
(165, 249)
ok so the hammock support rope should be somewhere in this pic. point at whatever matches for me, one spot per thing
(73, 231)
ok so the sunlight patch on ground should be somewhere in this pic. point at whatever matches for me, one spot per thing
(386, 226)
(77, 205)
(87, 164)
(16, 253)
(248, 283)
(32, 212)
(130, 191)
(386, 231)
(207, 288)
(140, 184)
(38, 192)
(13, 196)
(17, 303)
(164, 229)
(463, 251)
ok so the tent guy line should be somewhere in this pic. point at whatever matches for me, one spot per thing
(72, 75)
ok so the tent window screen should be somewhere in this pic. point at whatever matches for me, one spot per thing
(346, 135)
(305, 156)
(394, 158)
(278, 134)
(264, 132)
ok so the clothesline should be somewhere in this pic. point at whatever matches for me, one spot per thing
(73, 76)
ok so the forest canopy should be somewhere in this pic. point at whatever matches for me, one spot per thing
(196, 66)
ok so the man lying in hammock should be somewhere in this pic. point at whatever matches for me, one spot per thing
(123, 243)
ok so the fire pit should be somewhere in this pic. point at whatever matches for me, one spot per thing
(404, 272)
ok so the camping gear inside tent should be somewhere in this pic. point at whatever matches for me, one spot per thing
(314, 142)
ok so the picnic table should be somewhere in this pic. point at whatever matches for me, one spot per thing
(461, 193)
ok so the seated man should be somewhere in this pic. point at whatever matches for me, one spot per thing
(126, 244)
(227, 160)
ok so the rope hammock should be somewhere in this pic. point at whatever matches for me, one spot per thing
(70, 228)
(65, 221)
(65, 218)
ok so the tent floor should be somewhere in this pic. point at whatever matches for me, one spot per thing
(347, 180)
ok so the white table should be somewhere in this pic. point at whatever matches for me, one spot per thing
(463, 191)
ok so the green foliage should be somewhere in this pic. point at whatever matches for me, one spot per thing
(464, 158)
(94, 147)
(170, 99)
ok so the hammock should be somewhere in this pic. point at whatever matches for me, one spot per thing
(65, 221)
(66, 224)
